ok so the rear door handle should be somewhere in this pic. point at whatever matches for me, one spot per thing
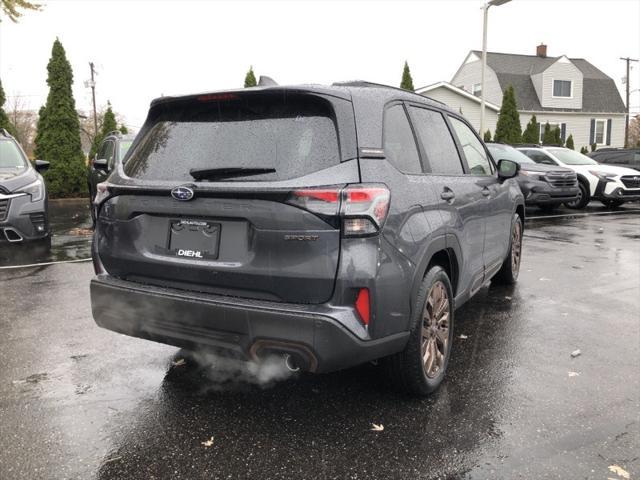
(447, 194)
(486, 192)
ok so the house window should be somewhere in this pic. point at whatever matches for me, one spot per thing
(552, 125)
(476, 89)
(562, 88)
(600, 137)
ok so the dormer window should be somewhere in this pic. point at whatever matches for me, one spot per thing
(562, 88)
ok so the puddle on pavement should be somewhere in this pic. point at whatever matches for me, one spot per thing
(71, 237)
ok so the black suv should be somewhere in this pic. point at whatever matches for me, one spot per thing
(621, 157)
(23, 194)
(544, 186)
(329, 225)
(110, 154)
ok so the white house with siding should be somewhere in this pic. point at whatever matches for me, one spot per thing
(464, 102)
(566, 92)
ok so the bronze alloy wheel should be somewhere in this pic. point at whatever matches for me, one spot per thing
(435, 330)
(516, 248)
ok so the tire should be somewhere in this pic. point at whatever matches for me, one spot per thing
(583, 198)
(508, 273)
(408, 370)
(612, 203)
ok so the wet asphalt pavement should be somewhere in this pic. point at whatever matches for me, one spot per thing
(80, 402)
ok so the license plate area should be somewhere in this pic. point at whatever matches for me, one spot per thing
(195, 239)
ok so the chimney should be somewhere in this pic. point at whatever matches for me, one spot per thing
(541, 50)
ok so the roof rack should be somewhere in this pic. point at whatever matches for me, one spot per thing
(529, 145)
(365, 83)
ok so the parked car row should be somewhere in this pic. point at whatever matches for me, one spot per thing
(329, 226)
(23, 195)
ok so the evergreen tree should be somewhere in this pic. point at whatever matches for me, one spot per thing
(548, 137)
(531, 133)
(594, 146)
(4, 119)
(569, 143)
(508, 129)
(250, 79)
(557, 137)
(108, 125)
(58, 137)
(123, 129)
(487, 136)
(407, 81)
(584, 150)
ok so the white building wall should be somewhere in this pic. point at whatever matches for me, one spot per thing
(469, 108)
(563, 69)
(579, 125)
(470, 73)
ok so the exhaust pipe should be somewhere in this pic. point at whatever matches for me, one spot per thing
(290, 363)
(12, 235)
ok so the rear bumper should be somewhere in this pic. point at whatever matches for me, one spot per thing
(245, 329)
(22, 219)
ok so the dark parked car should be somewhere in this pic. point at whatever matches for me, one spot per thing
(328, 225)
(23, 194)
(621, 157)
(542, 185)
(110, 154)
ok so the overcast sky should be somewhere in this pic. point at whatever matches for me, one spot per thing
(143, 49)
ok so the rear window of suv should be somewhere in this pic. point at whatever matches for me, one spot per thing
(293, 134)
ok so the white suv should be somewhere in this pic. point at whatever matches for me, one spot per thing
(610, 184)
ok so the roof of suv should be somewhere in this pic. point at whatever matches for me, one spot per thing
(357, 90)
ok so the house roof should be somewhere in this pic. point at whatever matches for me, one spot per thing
(425, 90)
(600, 93)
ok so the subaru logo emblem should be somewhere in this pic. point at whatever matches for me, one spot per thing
(182, 193)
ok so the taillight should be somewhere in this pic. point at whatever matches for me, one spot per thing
(363, 207)
(324, 201)
(363, 307)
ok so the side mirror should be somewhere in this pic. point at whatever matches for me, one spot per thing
(508, 169)
(101, 164)
(41, 165)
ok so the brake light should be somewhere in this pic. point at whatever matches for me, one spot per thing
(363, 307)
(216, 97)
(364, 208)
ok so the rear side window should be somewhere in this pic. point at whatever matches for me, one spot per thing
(477, 160)
(437, 141)
(293, 134)
(399, 144)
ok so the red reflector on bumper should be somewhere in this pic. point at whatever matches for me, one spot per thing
(362, 305)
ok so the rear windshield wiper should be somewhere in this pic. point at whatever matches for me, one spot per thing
(227, 172)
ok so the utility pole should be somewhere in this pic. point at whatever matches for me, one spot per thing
(628, 83)
(93, 94)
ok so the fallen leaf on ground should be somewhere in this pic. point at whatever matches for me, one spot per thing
(80, 231)
(376, 427)
(621, 472)
(507, 298)
(207, 443)
(574, 374)
(179, 362)
(576, 353)
(463, 336)
(544, 279)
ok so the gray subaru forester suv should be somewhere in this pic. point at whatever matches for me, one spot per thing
(329, 225)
